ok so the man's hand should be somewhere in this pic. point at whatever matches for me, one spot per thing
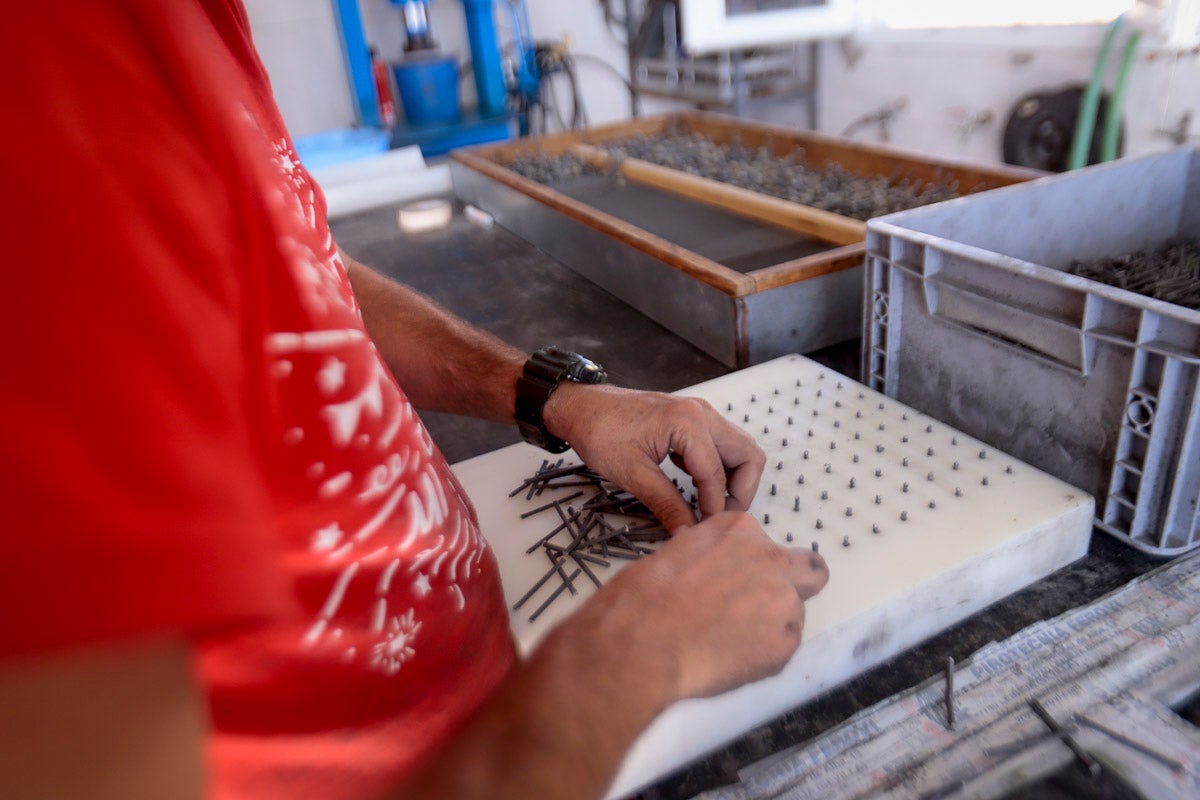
(626, 435)
(717, 606)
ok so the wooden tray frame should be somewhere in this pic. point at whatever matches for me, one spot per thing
(868, 160)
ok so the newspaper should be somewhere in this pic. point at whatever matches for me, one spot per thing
(1109, 673)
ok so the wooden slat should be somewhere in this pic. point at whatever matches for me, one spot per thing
(814, 266)
(806, 220)
(703, 269)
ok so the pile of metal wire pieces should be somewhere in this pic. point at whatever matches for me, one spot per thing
(1170, 273)
(609, 523)
(549, 169)
(830, 187)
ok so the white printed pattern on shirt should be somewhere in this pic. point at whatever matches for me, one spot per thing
(402, 493)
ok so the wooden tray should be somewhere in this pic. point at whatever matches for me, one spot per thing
(741, 318)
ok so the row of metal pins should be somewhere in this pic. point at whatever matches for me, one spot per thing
(878, 472)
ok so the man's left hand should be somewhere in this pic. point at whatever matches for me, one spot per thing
(626, 435)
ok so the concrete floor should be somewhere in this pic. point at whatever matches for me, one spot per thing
(504, 285)
(510, 288)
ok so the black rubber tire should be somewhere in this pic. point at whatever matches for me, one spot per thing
(1041, 127)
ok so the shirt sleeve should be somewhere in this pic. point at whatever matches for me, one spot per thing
(134, 500)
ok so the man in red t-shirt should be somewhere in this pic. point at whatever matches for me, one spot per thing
(235, 563)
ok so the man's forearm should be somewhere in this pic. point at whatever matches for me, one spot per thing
(443, 363)
(560, 725)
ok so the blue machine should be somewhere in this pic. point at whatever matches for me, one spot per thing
(427, 78)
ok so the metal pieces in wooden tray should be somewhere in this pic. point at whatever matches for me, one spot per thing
(747, 202)
(791, 301)
(792, 177)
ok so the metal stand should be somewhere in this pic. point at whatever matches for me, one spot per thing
(726, 80)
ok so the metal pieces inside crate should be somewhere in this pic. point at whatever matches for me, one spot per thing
(970, 317)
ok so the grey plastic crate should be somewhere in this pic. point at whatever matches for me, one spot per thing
(970, 318)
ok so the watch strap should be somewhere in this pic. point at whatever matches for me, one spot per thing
(543, 373)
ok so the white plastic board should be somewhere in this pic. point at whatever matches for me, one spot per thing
(963, 543)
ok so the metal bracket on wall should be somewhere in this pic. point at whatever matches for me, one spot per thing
(659, 66)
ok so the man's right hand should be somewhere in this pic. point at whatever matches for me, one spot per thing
(718, 605)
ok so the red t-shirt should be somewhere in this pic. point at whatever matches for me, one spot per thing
(198, 435)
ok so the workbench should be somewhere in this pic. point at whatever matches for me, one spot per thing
(510, 288)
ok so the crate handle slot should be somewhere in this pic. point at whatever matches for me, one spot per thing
(1011, 325)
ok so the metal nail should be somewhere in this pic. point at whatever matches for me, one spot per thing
(950, 693)
(1085, 759)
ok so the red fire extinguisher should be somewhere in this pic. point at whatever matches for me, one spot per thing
(383, 90)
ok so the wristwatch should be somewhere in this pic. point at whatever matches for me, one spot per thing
(543, 373)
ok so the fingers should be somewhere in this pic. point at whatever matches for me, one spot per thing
(744, 461)
(809, 573)
(703, 462)
(659, 495)
(725, 462)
